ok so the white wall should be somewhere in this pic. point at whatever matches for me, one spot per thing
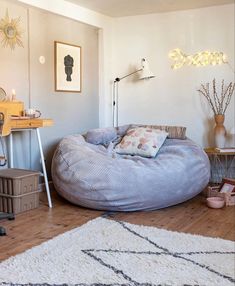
(172, 97)
(34, 83)
(105, 26)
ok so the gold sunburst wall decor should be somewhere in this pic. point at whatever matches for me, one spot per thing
(10, 32)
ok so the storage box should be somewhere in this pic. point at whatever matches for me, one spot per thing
(215, 192)
(18, 190)
(19, 204)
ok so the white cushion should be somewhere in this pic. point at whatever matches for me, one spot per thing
(142, 141)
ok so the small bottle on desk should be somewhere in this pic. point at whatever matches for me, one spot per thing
(13, 95)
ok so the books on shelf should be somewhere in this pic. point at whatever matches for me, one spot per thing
(226, 150)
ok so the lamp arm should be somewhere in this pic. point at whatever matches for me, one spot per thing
(120, 78)
(115, 95)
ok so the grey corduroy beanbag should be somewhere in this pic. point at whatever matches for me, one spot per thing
(96, 177)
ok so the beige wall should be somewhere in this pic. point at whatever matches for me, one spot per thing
(105, 45)
(34, 82)
(172, 97)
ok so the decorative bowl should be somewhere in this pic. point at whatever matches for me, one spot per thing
(215, 202)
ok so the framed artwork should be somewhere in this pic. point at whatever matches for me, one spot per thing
(67, 67)
(228, 186)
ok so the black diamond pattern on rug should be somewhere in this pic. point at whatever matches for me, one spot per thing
(140, 257)
(187, 257)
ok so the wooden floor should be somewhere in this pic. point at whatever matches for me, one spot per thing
(36, 226)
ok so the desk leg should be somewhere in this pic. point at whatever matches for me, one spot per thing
(44, 168)
(11, 162)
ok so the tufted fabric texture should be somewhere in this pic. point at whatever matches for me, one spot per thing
(108, 252)
(101, 135)
(97, 177)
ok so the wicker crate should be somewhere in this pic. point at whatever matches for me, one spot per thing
(19, 204)
(215, 192)
(18, 190)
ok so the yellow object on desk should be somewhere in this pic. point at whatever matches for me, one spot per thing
(13, 107)
(8, 109)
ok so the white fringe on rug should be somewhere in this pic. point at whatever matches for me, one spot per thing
(107, 252)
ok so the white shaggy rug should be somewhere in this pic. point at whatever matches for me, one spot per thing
(107, 252)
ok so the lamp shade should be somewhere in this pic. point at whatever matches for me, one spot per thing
(145, 73)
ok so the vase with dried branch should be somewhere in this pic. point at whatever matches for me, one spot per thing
(219, 105)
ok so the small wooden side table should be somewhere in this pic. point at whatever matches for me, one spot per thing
(222, 164)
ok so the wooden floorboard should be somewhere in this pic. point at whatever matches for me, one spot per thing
(192, 216)
(36, 226)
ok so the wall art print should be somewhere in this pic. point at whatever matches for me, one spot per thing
(67, 67)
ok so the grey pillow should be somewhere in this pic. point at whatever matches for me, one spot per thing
(174, 132)
(101, 135)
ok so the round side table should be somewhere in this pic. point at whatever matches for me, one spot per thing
(222, 164)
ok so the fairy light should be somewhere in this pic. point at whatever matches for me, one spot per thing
(199, 59)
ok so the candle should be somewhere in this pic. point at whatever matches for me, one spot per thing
(13, 94)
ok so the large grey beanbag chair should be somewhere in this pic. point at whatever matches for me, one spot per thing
(95, 176)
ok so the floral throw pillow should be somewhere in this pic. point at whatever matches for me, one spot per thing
(141, 141)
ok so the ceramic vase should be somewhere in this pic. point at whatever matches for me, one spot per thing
(219, 131)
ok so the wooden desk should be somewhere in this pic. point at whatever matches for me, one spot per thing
(211, 151)
(222, 164)
(31, 124)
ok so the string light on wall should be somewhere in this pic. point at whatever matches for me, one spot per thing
(199, 59)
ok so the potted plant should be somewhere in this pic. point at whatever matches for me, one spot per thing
(219, 105)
